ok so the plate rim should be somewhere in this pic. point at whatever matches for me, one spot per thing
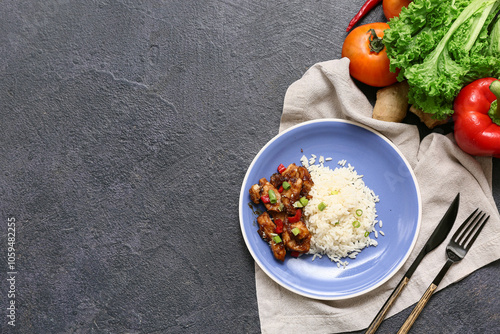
(394, 270)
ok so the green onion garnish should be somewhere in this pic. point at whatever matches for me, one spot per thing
(303, 201)
(295, 231)
(356, 224)
(359, 212)
(277, 239)
(367, 233)
(321, 206)
(272, 196)
(334, 192)
(286, 185)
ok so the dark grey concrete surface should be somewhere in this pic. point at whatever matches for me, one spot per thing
(126, 131)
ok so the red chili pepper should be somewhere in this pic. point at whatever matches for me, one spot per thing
(296, 218)
(265, 199)
(477, 120)
(279, 225)
(369, 4)
(281, 168)
(280, 190)
(294, 254)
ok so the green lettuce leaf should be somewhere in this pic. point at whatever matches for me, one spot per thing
(440, 46)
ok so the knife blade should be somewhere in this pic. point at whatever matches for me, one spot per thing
(437, 237)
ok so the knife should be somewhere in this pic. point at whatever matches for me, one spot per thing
(437, 237)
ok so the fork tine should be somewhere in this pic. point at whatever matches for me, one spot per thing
(470, 228)
(462, 239)
(457, 236)
(474, 237)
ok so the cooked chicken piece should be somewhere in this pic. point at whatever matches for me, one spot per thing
(262, 188)
(291, 171)
(291, 195)
(277, 180)
(306, 188)
(278, 215)
(265, 187)
(303, 232)
(255, 193)
(303, 173)
(307, 182)
(300, 242)
(267, 230)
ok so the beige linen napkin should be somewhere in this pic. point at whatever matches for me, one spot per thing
(442, 170)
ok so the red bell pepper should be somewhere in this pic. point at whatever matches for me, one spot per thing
(477, 118)
(279, 225)
(296, 218)
(265, 199)
(281, 168)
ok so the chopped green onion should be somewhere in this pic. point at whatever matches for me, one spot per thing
(334, 192)
(322, 206)
(297, 205)
(272, 196)
(277, 239)
(286, 185)
(295, 231)
(359, 212)
(303, 201)
(367, 233)
(356, 224)
(281, 207)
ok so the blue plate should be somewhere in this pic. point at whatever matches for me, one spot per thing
(384, 170)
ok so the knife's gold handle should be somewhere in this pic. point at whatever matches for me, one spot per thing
(418, 308)
(388, 304)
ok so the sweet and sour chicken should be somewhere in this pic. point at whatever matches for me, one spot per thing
(284, 196)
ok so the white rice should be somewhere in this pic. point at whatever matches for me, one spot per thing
(332, 230)
(304, 161)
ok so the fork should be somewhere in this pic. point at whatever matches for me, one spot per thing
(459, 245)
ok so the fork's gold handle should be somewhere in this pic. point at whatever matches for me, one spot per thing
(418, 308)
(388, 304)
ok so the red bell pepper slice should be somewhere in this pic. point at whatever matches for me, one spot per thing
(265, 199)
(281, 168)
(280, 189)
(477, 120)
(279, 225)
(294, 254)
(296, 218)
